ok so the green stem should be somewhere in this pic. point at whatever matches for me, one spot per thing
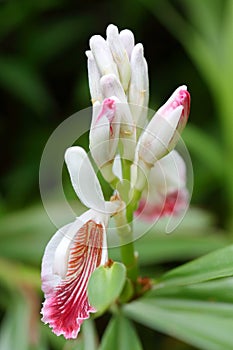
(128, 255)
(125, 225)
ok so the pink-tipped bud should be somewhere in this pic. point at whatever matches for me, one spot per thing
(104, 135)
(163, 131)
(180, 97)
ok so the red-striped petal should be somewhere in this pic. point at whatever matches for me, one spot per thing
(67, 306)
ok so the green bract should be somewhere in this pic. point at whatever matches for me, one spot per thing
(105, 285)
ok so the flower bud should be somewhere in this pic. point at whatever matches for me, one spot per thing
(94, 78)
(180, 97)
(162, 133)
(139, 85)
(119, 54)
(127, 39)
(112, 87)
(104, 135)
(103, 56)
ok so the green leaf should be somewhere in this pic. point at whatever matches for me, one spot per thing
(105, 285)
(14, 333)
(120, 335)
(192, 303)
(219, 290)
(170, 248)
(89, 335)
(215, 265)
(199, 324)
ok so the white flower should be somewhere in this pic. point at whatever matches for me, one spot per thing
(166, 193)
(75, 251)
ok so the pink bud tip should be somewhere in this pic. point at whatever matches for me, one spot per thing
(183, 99)
(180, 97)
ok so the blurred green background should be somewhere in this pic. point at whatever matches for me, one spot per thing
(43, 80)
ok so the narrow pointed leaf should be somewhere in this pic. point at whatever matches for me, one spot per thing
(215, 265)
(194, 325)
(120, 335)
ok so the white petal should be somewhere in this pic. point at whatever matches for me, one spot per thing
(61, 255)
(84, 179)
(117, 168)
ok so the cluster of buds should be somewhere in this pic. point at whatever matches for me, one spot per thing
(119, 88)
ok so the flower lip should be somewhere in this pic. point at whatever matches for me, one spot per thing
(66, 305)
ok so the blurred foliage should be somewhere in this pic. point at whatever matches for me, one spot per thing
(43, 80)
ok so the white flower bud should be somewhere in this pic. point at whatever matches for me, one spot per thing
(139, 85)
(127, 39)
(103, 56)
(119, 54)
(94, 78)
(111, 86)
(162, 133)
(104, 132)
